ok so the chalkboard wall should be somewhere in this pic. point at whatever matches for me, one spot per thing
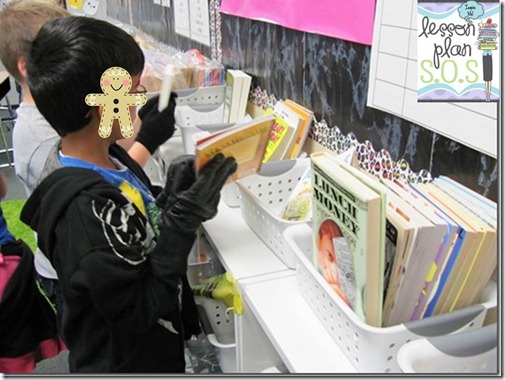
(327, 75)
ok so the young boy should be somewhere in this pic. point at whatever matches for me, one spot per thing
(33, 137)
(120, 259)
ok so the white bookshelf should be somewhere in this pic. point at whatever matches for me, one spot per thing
(277, 325)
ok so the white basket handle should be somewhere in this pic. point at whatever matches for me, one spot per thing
(216, 343)
(207, 329)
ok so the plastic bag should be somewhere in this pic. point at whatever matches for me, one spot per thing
(222, 287)
(201, 356)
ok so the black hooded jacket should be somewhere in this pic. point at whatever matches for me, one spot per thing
(128, 306)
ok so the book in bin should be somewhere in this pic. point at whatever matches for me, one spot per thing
(410, 242)
(299, 204)
(466, 278)
(373, 183)
(410, 269)
(399, 236)
(445, 249)
(306, 117)
(468, 198)
(245, 142)
(238, 84)
(283, 135)
(485, 210)
(347, 223)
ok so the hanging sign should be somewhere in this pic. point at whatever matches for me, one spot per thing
(343, 19)
(458, 55)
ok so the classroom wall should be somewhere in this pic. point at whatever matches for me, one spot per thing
(327, 75)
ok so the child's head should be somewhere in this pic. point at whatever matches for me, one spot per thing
(20, 20)
(66, 61)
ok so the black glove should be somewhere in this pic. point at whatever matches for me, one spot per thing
(186, 210)
(157, 127)
(180, 176)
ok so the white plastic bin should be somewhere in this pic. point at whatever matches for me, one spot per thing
(199, 110)
(219, 326)
(370, 349)
(469, 352)
(202, 261)
(262, 198)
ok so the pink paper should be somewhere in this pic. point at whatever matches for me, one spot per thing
(344, 19)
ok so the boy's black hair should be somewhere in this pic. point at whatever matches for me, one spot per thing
(66, 62)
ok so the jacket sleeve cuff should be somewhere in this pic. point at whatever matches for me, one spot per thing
(171, 252)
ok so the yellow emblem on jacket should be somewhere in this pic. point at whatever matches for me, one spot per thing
(133, 195)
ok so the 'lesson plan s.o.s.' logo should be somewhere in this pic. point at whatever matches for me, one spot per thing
(457, 45)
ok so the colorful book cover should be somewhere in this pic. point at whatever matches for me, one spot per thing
(458, 57)
(347, 221)
(281, 130)
(245, 142)
(299, 205)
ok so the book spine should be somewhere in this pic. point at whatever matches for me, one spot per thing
(446, 271)
(432, 276)
(277, 134)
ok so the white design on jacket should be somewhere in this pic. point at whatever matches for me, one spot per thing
(114, 220)
(168, 325)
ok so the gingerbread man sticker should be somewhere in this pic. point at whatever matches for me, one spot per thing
(116, 100)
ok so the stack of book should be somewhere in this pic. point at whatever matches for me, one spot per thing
(488, 35)
(397, 252)
(278, 134)
(290, 130)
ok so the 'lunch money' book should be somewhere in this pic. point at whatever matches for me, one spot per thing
(346, 225)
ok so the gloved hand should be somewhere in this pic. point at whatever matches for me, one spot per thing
(157, 127)
(180, 176)
(187, 209)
